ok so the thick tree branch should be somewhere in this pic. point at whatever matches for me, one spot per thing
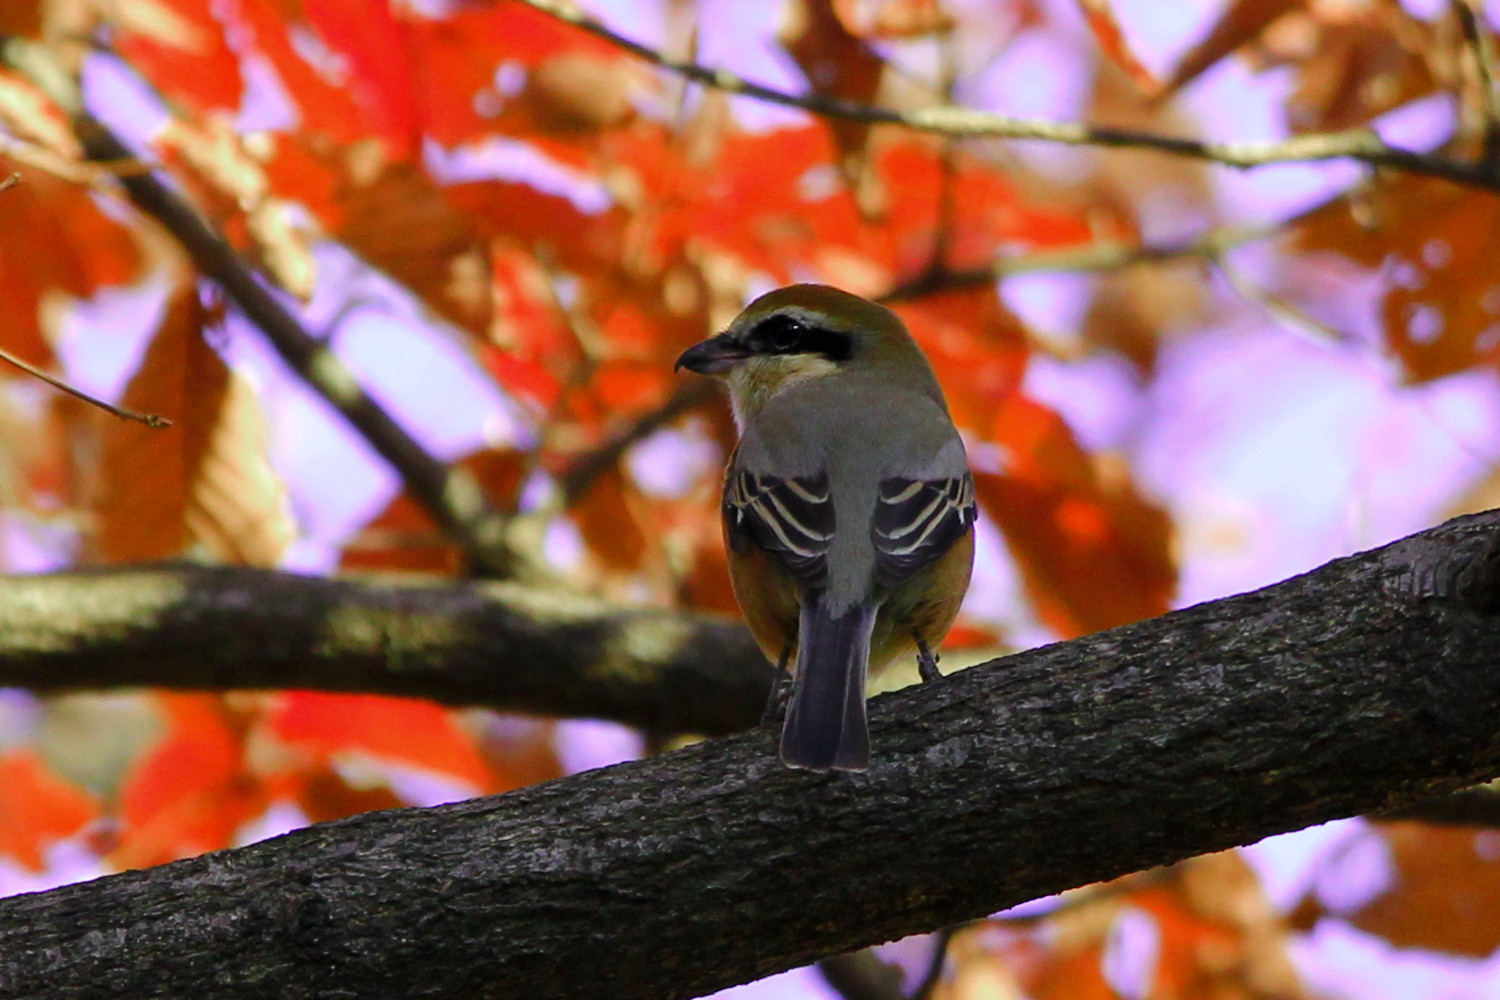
(501, 645)
(1360, 144)
(1354, 688)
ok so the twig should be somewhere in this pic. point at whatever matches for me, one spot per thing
(581, 474)
(10, 182)
(935, 964)
(1360, 144)
(452, 497)
(1094, 257)
(861, 975)
(1478, 41)
(1293, 319)
(149, 419)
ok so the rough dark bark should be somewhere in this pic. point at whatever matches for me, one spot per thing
(499, 645)
(1364, 685)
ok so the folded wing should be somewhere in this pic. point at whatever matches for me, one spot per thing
(916, 521)
(791, 518)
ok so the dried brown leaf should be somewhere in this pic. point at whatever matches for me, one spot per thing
(1242, 22)
(205, 482)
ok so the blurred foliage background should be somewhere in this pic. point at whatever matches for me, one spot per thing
(1177, 379)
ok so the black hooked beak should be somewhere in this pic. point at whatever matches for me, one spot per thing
(714, 356)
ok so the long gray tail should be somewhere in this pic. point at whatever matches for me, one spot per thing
(825, 724)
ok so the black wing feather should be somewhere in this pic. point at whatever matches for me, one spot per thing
(791, 518)
(916, 521)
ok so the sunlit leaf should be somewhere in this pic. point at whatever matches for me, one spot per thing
(1241, 22)
(1092, 552)
(399, 731)
(190, 792)
(203, 481)
(1100, 16)
(1432, 245)
(36, 808)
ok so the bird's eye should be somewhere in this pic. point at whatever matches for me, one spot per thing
(780, 334)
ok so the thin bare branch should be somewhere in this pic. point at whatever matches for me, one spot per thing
(1361, 144)
(149, 419)
(10, 182)
(936, 963)
(861, 975)
(585, 469)
(1087, 259)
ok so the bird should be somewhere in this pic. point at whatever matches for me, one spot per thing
(848, 507)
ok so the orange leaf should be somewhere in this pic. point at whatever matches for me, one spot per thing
(189, 793)
(393, 215)
(324, 796)
(1444, 891)
(1101, 21)
(21, 17)
(1242, 22)
(36, 807)
(608, 522)
(181, 47)
(204, 480)
(1432, 242)
(400, 731)
(72, 248)
(402, 537)
(1092, 553)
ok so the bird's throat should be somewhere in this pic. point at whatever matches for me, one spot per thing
(757, 381)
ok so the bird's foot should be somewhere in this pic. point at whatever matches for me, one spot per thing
(781, 691)
(927, 661)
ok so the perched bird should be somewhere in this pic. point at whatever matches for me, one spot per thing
(848, 507)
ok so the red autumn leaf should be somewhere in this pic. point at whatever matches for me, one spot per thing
(1092, 553)
(71, 248)
(402, 537)
(378, 66)
(413, 733)
(1432, 243)
(36, 808)
(606, 515)
(1100, 17)
(976, 346)
(522, 215)
(189, 793)
(1242, 22)
(306, 72)
(182, 47)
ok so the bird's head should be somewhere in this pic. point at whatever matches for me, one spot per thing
(804, 332)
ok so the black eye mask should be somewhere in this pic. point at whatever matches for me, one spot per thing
(782, 334)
